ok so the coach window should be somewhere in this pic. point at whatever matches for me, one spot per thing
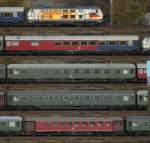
(145, 124)
(96, 71)
(122, 43)
(112, 43)
(72, 16)
(76, 124)
(65, 11)
(117, 71)
(80, 16)
(56, 71)
(66, 98)
(15, 43)
(102, 43)
(130, 43)
(144, 70)
(92, 124)
(70, 123)
(106, 71)
(96, 98)
(86, 71)
(8, 14)
(35, 43)
(66, 71)
(84, 124)
(132, 71)
(3, 124)
(83, 42)
(76, 71)
(92, 43)
(72, 10)
(65, 16)
(75, 43)
(99, 124)
(87, 98)
(57, 43)
(76, 98)
(66, 43)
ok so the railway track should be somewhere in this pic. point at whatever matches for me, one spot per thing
(73, 86)
(86, 112)
(75, 139)
(75, 59)
(140, 30)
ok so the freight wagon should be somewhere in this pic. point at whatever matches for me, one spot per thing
(74, 125)
(82, 99)
(73, 73)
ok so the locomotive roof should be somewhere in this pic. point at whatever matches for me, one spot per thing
(141, 66)
(12, 9)
(71, 66)
(78, 38)
(65, 7)
(10, 118)
(66, 92)
(72, 118)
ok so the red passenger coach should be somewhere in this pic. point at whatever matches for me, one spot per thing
(141, 71)
(78, 124)
(2, 100)
(50, 43)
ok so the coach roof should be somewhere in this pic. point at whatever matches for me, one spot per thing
(12, 9)
(78, 38)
